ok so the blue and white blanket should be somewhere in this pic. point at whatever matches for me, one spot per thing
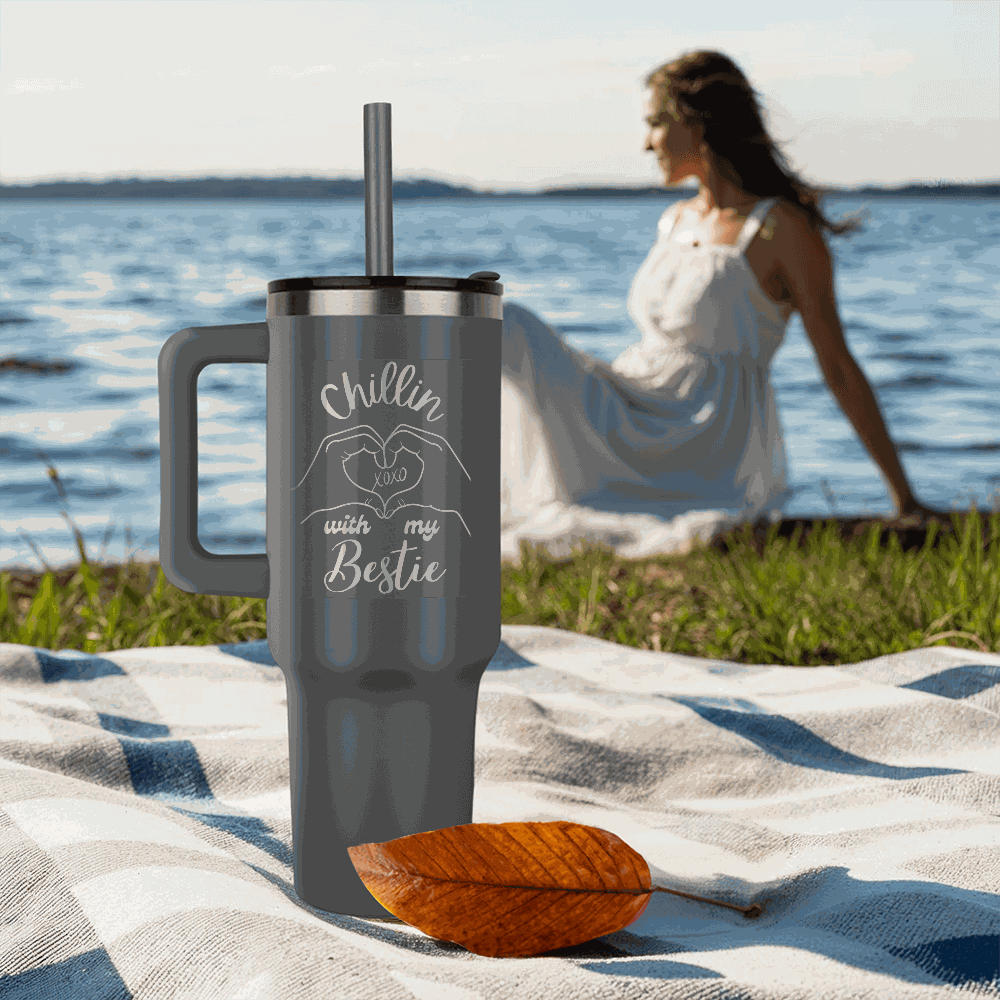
(145, 833)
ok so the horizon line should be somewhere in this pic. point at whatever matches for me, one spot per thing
(406, 186)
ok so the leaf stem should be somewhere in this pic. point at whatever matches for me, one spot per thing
(750, 912)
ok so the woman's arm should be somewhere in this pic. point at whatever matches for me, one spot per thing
(808, 275)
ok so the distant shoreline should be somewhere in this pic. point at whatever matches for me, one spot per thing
(308, 189)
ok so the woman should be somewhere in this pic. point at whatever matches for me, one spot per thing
(680, 435)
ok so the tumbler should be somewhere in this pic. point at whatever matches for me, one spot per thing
(382, 562)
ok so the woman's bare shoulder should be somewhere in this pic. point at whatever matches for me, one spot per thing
(795, 231)
(791, 212)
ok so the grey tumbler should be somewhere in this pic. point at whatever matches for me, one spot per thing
(382, 569)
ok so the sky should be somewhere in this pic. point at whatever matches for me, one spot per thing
(511, 96)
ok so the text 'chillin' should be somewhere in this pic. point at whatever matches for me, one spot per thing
(405, 377)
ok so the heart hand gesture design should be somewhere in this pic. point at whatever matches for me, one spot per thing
(384, 473)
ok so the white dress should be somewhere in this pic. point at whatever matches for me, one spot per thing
(677, 439)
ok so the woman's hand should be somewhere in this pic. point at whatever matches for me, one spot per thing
(914, 514)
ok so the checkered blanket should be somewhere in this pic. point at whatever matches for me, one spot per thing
(145, 835)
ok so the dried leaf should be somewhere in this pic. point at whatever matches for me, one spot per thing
(510, 889)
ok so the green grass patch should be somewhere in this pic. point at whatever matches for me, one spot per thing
(824, 593)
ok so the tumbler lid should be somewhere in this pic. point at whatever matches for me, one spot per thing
(482, 281)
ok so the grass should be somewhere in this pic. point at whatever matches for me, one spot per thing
(805, 593)
(811, 594)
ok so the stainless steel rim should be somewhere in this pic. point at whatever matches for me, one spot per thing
(383, 302)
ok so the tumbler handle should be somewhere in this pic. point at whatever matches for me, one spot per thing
(185, 561)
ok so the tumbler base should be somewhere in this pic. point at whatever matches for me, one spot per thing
(348, 904)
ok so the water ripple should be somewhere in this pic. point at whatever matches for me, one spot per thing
(91, 292)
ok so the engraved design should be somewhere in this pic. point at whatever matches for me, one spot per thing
(380, 476)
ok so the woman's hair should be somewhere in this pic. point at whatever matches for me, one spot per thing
(709, 89)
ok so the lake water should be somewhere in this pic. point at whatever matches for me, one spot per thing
(102, 285)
